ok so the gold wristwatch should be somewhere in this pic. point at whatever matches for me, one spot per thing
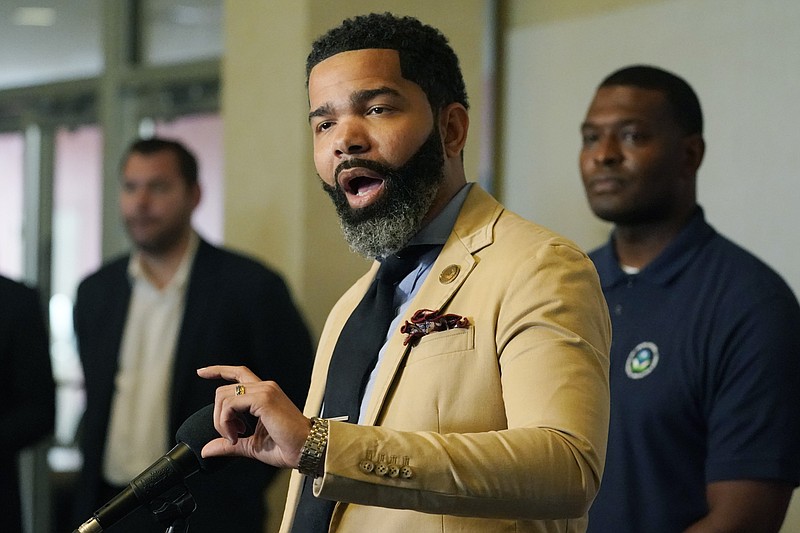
(314, 448)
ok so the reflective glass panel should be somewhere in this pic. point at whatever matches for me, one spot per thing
(77, 210)
(44, 44)
(11, 203)
(181, 31)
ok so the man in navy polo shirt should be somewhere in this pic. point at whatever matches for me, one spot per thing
(705, 373)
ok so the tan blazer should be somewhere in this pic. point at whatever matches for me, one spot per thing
(500, 426)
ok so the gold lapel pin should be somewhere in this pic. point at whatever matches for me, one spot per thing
(449, 274)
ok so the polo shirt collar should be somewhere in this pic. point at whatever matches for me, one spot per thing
(669, 264)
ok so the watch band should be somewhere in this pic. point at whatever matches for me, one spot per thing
(313, 449)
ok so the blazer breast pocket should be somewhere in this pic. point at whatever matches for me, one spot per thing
(441, 343)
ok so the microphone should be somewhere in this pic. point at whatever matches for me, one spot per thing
(167, 472)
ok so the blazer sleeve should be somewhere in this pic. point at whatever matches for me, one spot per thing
(28, 413)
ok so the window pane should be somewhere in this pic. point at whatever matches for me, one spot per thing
(44, 44)
(182, 31)
(11, 157)
(77, 204)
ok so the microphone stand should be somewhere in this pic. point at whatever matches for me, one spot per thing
(173, 514)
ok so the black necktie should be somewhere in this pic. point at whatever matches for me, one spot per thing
(353, 359)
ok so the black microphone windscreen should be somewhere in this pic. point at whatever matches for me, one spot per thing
(198, 430)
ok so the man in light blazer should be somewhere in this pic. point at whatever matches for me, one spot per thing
(146, 321)
(487, 407)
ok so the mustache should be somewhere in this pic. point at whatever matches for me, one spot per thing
(369, 164)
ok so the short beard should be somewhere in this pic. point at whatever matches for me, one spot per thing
(387, 226)
(162, 242)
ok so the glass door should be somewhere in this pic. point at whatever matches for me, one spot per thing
(11, 204)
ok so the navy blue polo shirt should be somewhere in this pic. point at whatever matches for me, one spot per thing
(705, 380)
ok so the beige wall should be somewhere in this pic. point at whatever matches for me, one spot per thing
(736, 55)
(275, 208)
(741, 58)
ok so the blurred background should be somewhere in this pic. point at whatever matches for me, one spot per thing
(80, 80)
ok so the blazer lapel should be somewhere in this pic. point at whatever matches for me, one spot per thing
(199, 298)
(106, 364)
(473, 231)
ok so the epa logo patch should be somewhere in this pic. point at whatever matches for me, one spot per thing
(642, 360)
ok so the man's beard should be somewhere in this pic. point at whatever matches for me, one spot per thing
(386, 226)
(162, 241)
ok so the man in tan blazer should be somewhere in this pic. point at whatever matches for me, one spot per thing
(487, 407)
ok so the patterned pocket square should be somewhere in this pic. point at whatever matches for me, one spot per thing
(426, 321)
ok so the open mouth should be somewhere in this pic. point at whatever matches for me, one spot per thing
(362, 186)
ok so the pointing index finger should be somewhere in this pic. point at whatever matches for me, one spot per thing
(238, 374)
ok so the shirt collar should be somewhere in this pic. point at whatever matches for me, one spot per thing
(672, 260)
(438, 230)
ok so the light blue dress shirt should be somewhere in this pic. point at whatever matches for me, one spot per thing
(435, 233)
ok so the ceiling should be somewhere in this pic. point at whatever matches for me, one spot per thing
(48, 40)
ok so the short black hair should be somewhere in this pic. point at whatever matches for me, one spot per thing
(426, 58)
(680, 95)
(187, 162)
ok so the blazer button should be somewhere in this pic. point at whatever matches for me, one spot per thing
(406, 472)
(381, 469)
(394, 471)
(366, 466)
